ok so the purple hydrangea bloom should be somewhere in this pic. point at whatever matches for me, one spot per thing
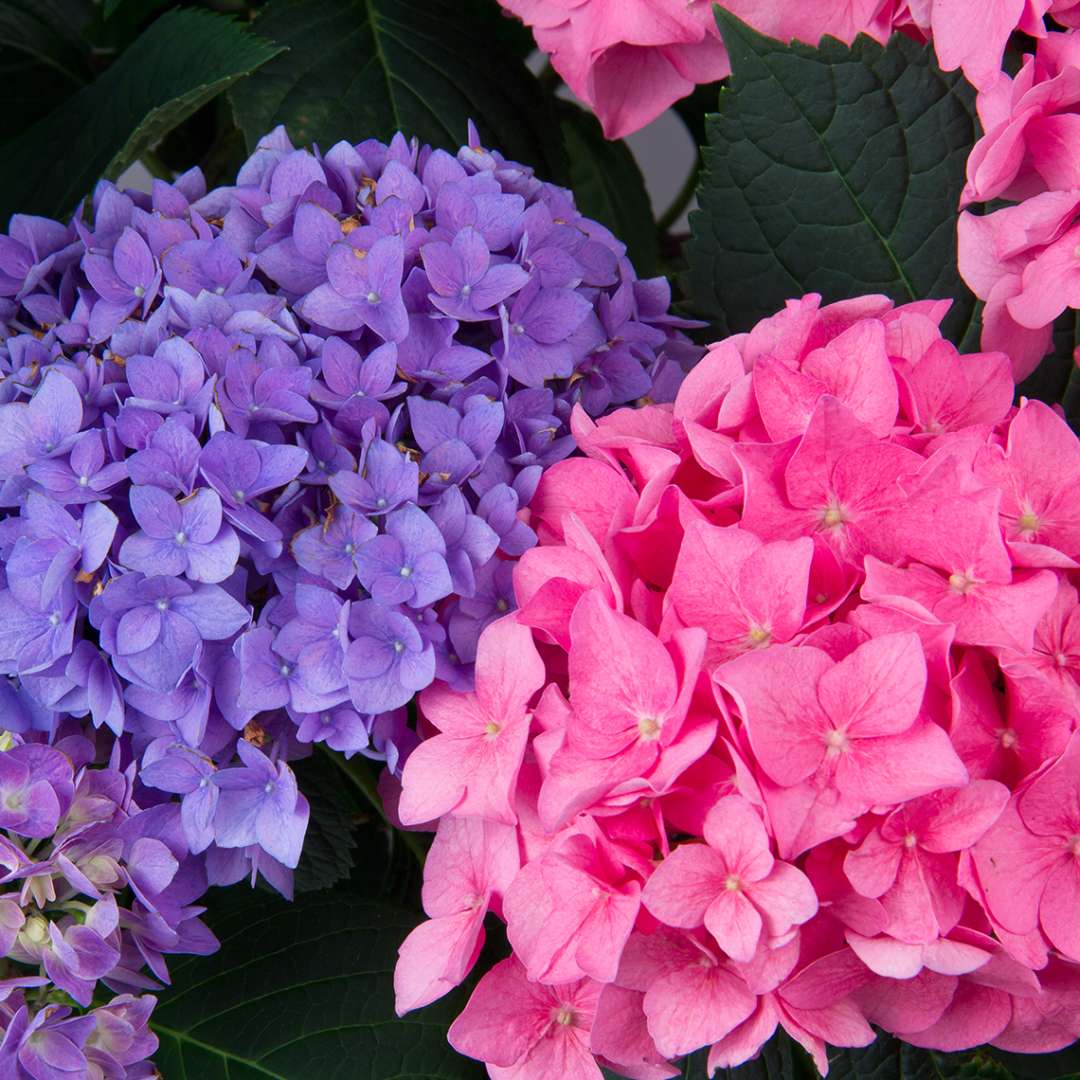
(266, 457)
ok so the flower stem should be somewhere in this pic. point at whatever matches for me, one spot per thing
(359, 774)
(681, 200)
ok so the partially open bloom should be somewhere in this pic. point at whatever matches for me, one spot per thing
(802, 751)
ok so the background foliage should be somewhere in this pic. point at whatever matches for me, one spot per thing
(834, 170)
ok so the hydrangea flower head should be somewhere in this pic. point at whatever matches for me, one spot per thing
(805, 748)
(266, 454)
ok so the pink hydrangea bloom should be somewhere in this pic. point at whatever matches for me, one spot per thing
(630, 59)
(1021, 259)
(791, 705)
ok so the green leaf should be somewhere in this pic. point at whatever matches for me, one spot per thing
(890, 1059)
(1060, 1065)
(298, 991)
(360, 69)
(1057, 379)
(177, 65)
(329, 844)
(608, 185)
(834, 170)
(48, 31)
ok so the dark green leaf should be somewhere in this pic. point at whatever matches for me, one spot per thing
(890, 1059)
(608, 186)
(834, 170)
(359, 69)
(329, 844)
(29, 90)
(137, 6)
(299, 991)
(48, 31)
(181, 62)
(1057, 380)
(1061, 1065)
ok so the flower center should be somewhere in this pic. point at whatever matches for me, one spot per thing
(1008, 738)
(563, 1015)
(181, 538)
(491, 728)
(372, 297)
(139, 291)
(399, 646)
(36, 930)
(833, 516)
(910, 840)
(836, 742)
(1028, 523)
(405, 571)
(648, 727)
(162, 604)
(759, 637)
(961, 582)
(732, 883)
(1073, 844)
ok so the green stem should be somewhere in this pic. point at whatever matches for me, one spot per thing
(359, 774)
(155, 166)
(681, 200)
(549, 78)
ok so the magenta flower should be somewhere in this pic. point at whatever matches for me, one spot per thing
(731, 884)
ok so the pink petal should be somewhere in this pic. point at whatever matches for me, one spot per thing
(435, 957)
(785, 899)
(872, 866)
(878, 689)
(734, 828)
(684, 885)
(1058, 908)
(694, 1007)
(735, 923)
(776, 693)
(621, 678)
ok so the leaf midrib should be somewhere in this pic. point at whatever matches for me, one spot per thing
(182, 1037)
(838, 172)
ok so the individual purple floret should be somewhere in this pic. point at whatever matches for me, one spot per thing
(266, 457)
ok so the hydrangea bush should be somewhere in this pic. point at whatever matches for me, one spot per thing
(360, 502)
(783, 733)
(263, 455)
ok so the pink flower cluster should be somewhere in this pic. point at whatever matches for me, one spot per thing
(782, 733)
(630, 59)
(1024, 259)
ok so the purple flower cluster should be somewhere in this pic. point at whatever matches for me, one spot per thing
(265, 453)
(99, 887)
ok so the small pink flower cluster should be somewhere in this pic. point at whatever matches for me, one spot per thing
(1024, 259)
(782, 731)
(630, 59)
